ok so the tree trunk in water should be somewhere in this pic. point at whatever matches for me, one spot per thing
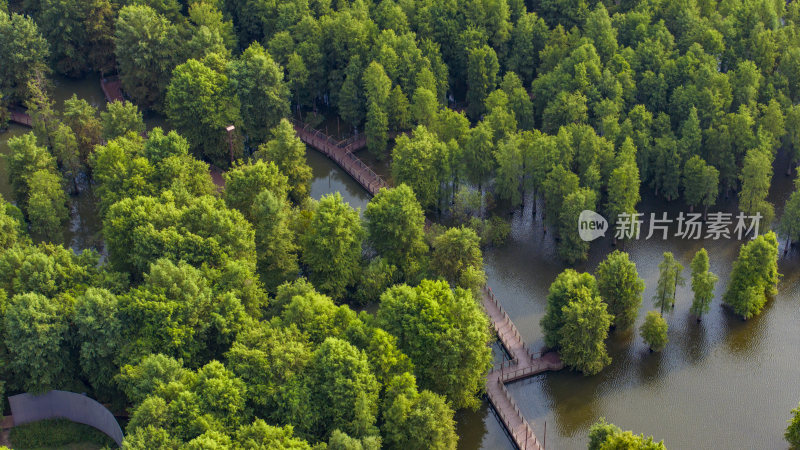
(788, 244)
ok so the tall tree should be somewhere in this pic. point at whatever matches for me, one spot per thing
(624, 183)
(258, 82)
(288, 152)
(243, 183)
(25, 159)
(482, 69)
(146, 49)
(47, 205)
(703, 282)
(82, 118)
(414, 419)
(700, 183)
(201, 104)
(654, 331)
(583, 333)
(332, 246)
(571, 248)
(457, 258)
(756, 177)
(24, 52)
(621, 288)
(433, 316)
(419, 161)
(669, 278)
(790, 221)
(563, 288)
(754, 278)
(119, 118)
(276, 250)
(395, 226)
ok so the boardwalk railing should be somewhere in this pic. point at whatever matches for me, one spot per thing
(525, 439)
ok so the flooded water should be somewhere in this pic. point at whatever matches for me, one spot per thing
(721, 383)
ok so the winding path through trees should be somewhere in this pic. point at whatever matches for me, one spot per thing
(523, 363)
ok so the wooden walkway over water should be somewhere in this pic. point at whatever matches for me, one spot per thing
(341, 152)
(523, 364)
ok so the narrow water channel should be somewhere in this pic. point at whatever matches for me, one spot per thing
(722, 383)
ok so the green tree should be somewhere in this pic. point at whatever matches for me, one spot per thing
(669, 278)
(482, 69)
(276, 250)
(119, 118)
(80, 34)
(25, 159)
(398, 110)
(700, 183)
(264, 96)
(340, 392)
(624, 183)
(754, 278)
(566, 108)
(395, 226)
(24, 52)
(82, 118)
(620, 286)
(376, 129)
(430, 316)
(571, 248)
(414, 419)
(289, 154)
(563, 288)
(477, 160)
(756, 177)
(47, 205)
(510, 168)
(790, 221)
(37, 337)
(654, 331)
(703, 282)
(201, 103)
(98, 329)
(607, 436)
(332, 246)
(582, 336)
(146, 50)
(244, 182)
(457, 258)
(792, 434)
(419, 161)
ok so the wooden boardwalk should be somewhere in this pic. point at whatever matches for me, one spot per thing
(21, 117)
(523, 364)
(112, 88)
(341, 152)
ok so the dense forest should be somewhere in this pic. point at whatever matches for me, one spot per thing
(225, 317)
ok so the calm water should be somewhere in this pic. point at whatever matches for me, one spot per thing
(722, 383)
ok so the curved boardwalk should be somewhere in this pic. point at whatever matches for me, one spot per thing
(341, 152)
(523, 364)
(20, 117)
(112, 88)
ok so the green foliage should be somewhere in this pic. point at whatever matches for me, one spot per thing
(288, 152)
(700, 183)
(482, 71)
(47, 205)
(36, 330)
(790, 221)
(430, 316)
(259, 85)
(619, 285)
(201, 102)
(24, 52)
(57, 433)
(703, 282)
(276, 250)
(25, 159)
(146, 49)
(416, 420)
(669, 278)
(792, 434)
(244, 182)
(140, 230)
(582, 336)
(457, 258)
(98, 329)
(654, 331)
(119, 118)
(756, 177)
(607, 436)
(420, 161)
(80, 34)
(395, 226)
(338, 391)
(754, 278)
(332, 246)
(571, 248)
(562, 290)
